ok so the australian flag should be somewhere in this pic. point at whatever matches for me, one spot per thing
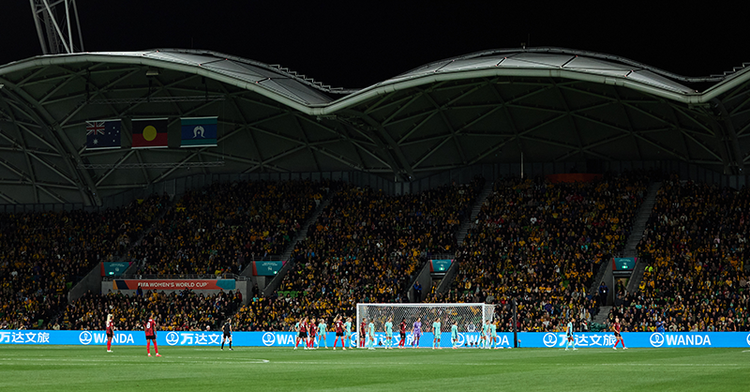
(103, 134)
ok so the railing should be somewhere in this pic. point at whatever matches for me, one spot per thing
(270, 258)
(181, 276)
(441, 256)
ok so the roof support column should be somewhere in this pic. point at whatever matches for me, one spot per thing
(399, 164)
(728, 129)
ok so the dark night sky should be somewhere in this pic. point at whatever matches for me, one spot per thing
(350, 44)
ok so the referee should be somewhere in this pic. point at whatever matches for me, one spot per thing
(227, 334)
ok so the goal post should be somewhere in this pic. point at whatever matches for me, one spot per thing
(468, 317)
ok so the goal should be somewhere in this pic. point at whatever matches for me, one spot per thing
(468, 317)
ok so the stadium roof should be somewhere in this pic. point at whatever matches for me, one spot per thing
(549, 104)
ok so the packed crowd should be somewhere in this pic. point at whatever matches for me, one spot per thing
(176, 311)
(540, 243)
(219, 229)
(366, 247)
(695, 245)
(534, 241)
(44, 254)
(269, 314)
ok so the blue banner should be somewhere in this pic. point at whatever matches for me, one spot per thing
(440, 265)
(623, 263)
(267, 268)
(465, 339)
(114, 268)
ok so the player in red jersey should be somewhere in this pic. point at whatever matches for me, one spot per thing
(402, 332)
(110, 332)
(313, 330)
(339, 326)
(150, 329)
(362, 333)
(617, 329)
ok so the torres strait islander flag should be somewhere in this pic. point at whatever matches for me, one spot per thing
(199, 131)
(150, 133)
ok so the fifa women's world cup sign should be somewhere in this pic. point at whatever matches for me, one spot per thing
(174, 284)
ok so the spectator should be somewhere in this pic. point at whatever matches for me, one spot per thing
(603, 291)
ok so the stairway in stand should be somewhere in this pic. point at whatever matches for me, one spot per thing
(469, 223)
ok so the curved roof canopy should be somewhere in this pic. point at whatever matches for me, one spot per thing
(549, 104)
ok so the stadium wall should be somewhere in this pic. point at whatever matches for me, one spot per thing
(465, 339)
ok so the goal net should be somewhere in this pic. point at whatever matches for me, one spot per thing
(468, 317)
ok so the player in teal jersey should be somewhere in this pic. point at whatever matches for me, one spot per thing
(389, 333)
(436, 331)
(299, 335)
(454, 335)
(363, 334)
(483, 335)
(488, 336)
(322, 332)
(371, 336)
(493, 335)
(348, 331)
(569, 334)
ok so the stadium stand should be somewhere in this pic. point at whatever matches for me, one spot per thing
(214, 230)
(176, 311)
(209, 231)
(533, 240)
(268, 314)
(365, 247)
(695, 247)
(46, 253)
(540, 242)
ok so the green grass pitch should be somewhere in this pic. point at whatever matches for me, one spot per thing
(76, 368)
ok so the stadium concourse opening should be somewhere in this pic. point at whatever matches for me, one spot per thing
(539, 158)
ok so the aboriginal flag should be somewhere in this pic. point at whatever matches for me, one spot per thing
(150, 133)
